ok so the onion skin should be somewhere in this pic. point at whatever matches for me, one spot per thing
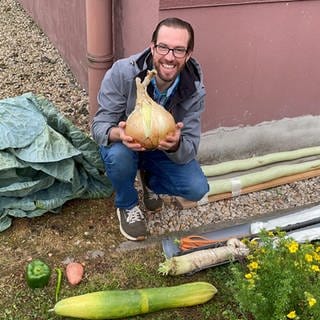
(149, 132)
(149, 123)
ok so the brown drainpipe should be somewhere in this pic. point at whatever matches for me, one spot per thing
(99, 46)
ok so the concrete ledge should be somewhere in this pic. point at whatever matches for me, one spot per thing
(232, 143)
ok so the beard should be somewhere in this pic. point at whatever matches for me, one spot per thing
(165, 73)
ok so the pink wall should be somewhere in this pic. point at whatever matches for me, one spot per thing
(134, 24)
(260, 60)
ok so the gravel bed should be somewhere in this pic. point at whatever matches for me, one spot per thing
(30, 63)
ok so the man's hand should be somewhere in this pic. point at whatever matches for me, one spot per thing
(117, 133)
(171, 142)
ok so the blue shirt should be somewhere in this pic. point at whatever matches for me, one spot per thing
(162, 98)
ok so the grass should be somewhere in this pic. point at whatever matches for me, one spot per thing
(34, 304)
(86, 232)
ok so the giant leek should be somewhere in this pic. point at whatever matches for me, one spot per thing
(258, 161)
(230, 184)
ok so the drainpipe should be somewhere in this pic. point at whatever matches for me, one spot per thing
(99, 46)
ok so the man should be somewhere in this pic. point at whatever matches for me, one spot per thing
(171, 168)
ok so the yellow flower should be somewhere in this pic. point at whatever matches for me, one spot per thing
(291, 315)
(315, 268)
(293, 246)
(253, 265)
(262, 250)
(311, 301)
(254, 243)
(270, 234)
(308, 257)
(248, 276)
(318, 249)
(245, 241)
(316, 256)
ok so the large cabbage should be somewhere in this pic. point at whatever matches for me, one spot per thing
(45, 160)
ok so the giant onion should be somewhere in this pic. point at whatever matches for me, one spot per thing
(149, 123)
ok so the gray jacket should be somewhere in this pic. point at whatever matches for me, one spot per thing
(117, 96)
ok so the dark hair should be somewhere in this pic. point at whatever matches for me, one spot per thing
(177, 23)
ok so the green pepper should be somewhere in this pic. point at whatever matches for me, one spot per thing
(37, 274)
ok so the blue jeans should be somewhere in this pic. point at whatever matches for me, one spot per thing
(165, 176)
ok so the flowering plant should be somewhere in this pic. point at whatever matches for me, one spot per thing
(279, 279)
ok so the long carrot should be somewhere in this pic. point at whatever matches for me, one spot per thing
(195, 241)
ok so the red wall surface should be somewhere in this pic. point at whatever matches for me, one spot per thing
(260, 57)
(260, 60)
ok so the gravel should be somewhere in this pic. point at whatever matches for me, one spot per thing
(30, 63)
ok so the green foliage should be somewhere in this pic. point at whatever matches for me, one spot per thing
(280, 279)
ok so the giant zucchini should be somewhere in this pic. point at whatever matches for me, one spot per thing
(114, 304)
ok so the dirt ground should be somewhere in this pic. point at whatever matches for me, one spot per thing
(85, 231)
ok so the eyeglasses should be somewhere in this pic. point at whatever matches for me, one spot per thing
(177, 52)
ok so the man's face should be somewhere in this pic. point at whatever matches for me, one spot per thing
(168, 66)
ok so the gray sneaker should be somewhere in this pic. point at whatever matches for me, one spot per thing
(132, 224)
(151, 201)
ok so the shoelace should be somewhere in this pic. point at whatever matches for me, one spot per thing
(134, 215)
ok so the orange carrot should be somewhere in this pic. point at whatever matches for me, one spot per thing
(74, 272)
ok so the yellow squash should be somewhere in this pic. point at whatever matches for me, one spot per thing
(115, 304)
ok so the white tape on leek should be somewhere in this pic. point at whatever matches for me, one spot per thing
(236, 187)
